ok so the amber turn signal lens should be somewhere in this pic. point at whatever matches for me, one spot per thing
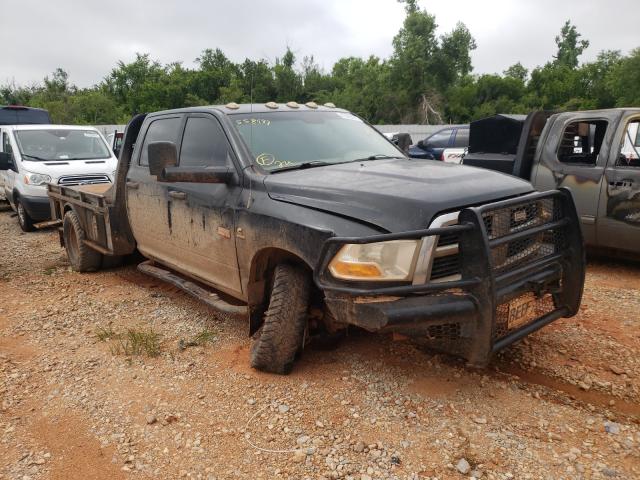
(353, 270)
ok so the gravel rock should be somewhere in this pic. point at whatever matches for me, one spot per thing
(463, 466)
(347, 413)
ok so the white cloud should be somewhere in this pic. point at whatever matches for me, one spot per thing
(87, 38)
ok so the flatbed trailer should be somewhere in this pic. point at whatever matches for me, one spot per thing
(94, 206)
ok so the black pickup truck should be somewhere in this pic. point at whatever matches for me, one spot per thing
(304, 218)
(595, 154)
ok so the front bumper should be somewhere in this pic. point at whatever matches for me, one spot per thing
(538, 263)
(37, 207)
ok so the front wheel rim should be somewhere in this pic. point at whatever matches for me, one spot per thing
(21, 214)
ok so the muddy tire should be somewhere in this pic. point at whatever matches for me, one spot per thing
(24, 220)
(281, 335)
(81, 257)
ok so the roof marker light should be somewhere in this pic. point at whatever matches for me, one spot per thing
(232, 106)
(293, 105)
(330, 105)
(311, 104)
(271, 105)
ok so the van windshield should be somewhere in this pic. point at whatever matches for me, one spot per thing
(284, 140)
(61, 144)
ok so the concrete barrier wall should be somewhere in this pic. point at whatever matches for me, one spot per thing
(107, 129)
(417, 132)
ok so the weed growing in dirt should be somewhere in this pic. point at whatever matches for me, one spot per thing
(103, 334)
(205, 336)
(137, 342)
(200, 340)
(133, 342)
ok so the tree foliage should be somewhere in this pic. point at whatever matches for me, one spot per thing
(428, 78)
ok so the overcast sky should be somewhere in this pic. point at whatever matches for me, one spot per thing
(87, 37)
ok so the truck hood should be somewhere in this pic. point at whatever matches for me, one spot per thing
(394, 195)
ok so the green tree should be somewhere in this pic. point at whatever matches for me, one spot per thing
(130, 84)
(517, 71)
(413, 55)
(623, 80)
(288, 82)
(570, 47)
(453, 57)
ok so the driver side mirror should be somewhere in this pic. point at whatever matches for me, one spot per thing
(161, 155)
(6, 161)
(420, 144)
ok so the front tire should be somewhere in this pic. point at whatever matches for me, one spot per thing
(281, 335)
(24, 220)
(81, 257)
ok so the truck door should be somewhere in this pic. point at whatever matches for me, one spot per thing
(619, 213)
(147, 199)
(574, 154)
(203, 214)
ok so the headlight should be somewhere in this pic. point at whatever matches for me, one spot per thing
(36, 179)
(393, 260)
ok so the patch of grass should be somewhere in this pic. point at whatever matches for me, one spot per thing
(132, 342)
(204, 337)
(103, 334)
(200, 340)
(137, 342)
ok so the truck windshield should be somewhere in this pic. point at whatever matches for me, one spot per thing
(284, 140)
(61, 144)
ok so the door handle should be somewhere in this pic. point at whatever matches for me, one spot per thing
(133, 185)
(177, 195)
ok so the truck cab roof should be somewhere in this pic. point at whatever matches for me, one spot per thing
(269, 107)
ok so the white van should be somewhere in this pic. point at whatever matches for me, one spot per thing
(33, 155)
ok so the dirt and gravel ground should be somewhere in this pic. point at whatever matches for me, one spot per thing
(565, 403)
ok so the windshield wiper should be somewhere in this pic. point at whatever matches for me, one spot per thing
(302, 166)
(40, 159)
(377, 156)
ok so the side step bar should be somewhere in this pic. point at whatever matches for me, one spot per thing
(210, 298)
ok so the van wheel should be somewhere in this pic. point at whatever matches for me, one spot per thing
(281, 335)
(24, 220)
(81, 257)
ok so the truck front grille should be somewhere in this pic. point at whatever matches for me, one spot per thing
(520, 217)
(446, 259)
(83, 179)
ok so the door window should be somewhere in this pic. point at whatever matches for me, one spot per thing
(581, 142)
(160, 130)
(439, 139)
(204, 143)
(629, 155)
(462, 138)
